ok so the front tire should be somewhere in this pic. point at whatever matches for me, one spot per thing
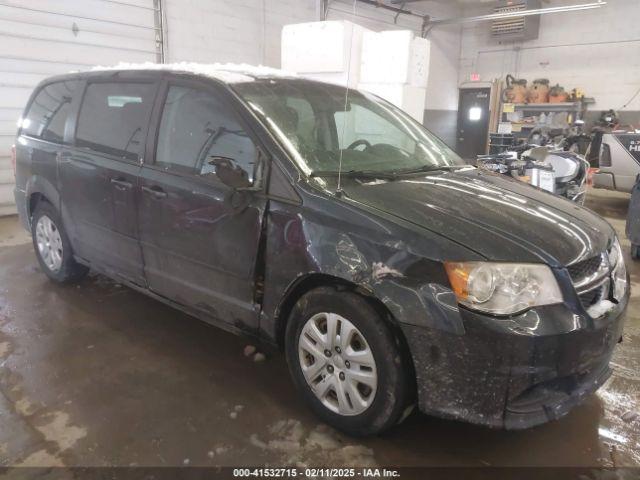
(346, 362)
(52, 246)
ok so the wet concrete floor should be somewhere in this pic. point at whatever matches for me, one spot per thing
(97, 374)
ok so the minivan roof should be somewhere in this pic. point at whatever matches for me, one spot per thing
(225, 72)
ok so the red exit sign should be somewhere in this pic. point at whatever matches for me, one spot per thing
(475, 77)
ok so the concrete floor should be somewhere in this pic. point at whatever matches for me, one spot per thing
(97, 374)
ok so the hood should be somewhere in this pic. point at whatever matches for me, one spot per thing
(498, 217)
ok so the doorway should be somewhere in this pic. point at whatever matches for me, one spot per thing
(473, 122)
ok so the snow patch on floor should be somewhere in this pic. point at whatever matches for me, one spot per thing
(60, 431)
(41, 458)
(297, 445)
(24, 407)
(5, 348)
(620, 412)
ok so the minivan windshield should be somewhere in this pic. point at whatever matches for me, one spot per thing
(323, 125)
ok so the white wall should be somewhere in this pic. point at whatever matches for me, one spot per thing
(241, 31)
(38, 39)
(442, 91)
(370, 17)
(597, 50)
(250, 31)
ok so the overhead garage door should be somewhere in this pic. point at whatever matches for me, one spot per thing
(42, 38)
(371, 17)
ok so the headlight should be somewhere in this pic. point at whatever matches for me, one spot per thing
(616, 260)
(615, 253)
(503, 288)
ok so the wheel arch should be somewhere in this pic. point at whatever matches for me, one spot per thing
(308, 282)
(34, 199)
(38, 189)
(311, 281)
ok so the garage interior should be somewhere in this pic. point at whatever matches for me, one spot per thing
(97, 374)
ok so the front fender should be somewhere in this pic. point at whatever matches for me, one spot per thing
(400, 265)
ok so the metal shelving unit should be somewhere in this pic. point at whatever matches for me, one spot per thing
(549, 107)
(573, 110)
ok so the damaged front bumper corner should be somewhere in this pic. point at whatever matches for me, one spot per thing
(514, 373)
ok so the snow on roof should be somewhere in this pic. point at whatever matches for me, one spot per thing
(226, 72)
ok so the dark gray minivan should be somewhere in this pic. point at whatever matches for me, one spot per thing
(328, 223)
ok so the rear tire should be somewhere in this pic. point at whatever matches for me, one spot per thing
(52, 246)
(360, 376)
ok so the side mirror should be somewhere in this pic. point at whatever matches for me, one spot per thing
(229, 172)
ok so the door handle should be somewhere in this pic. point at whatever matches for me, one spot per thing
(155, 191)
(121, 183)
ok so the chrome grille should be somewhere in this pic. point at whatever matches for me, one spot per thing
(591, 297)
(590, 279)
(585, 268)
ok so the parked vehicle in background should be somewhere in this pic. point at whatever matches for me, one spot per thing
(618, 160)
(633, 220)
(330, 224)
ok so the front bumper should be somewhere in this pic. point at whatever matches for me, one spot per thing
(513, 373)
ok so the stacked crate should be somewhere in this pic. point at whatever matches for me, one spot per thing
(325, 51)
(391, 64)
(395, 66)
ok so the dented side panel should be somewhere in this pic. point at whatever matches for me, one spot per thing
(509, 372)
(395, 264)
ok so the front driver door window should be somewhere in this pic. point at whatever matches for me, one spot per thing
(195, 127)
(199, 247)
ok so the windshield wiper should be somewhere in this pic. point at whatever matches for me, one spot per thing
(385, 174)
(354, 174)
(428, 168)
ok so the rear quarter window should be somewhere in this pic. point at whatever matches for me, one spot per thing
(113, 118)
(48, 113)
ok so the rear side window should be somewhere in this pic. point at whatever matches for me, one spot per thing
(48, 113)
(196, 126)
(113, 118)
